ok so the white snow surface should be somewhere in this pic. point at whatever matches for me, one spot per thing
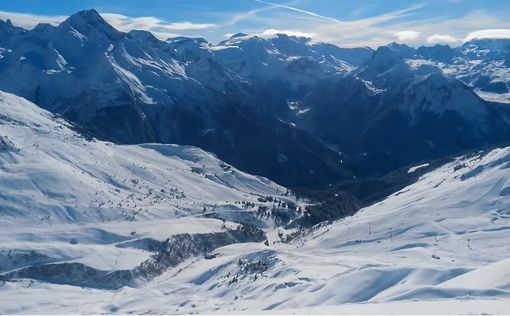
(440, 245)
(51, 174)
(413, 169)
(67, 199)
(470, 71)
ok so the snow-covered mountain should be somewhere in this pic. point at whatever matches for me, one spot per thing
(398, 109)
(482, 64)
(106, 204)
(133, 88)
(52, 174)
(70, 203)
(438, 245)
(295, 61)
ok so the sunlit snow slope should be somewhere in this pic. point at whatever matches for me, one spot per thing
(440, 245)
(51, 174)
(89, 213)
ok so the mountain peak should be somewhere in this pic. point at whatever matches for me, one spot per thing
(386, 52)
(90, 15)
(7, 28)
(42, 27)
(401, 49)
(395, 44)
(87, 21)
(489, 43)
(438, 45)
(239, 35)
(438, 52)
(143, 35)
(6, 23)
(387, 63)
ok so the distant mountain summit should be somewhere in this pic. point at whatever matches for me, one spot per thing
(238, 35)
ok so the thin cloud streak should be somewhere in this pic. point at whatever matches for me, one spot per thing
(271, 18)
(239, 17)
(381, 30)
(310, 13)
(321, 27)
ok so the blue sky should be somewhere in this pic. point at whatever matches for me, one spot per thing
(343, 22)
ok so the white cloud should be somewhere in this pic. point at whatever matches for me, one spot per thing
(371, 31)
(29, 21)
(127, 23)
(271, 32)
(160, 28)
(405, 36)
(182, 26)
(310, 13)
(442, 39)
(404, 25)
(489, 33)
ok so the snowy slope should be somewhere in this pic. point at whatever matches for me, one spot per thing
(84, 66)
(85, 54)
(68, 202)
(439, 245)
(166, 228)
(52, 174)
(442, 240)
(482, 64)
(296, 61)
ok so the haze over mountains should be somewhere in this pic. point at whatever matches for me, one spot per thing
(132, 88)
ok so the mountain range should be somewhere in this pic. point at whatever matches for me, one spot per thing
(300, 112)
(159, 228)
(263, 173)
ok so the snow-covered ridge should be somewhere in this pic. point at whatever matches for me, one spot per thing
(80, 211)
(50, 173)
(482, 64)
(85, 53)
